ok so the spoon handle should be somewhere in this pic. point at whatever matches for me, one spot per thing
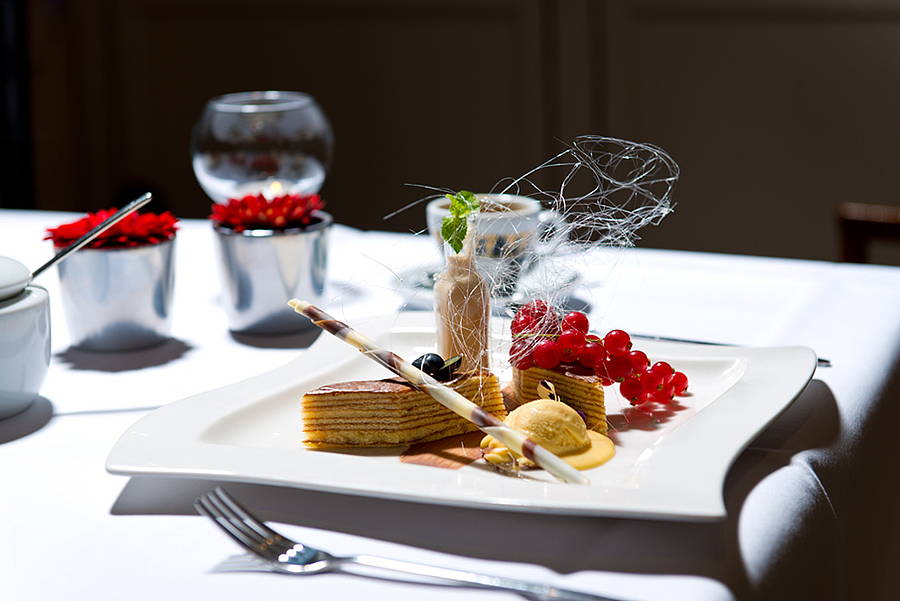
(113, 219)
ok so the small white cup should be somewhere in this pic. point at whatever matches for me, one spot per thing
(508, 228)
(24, 348)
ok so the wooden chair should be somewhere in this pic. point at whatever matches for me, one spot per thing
(861, 223)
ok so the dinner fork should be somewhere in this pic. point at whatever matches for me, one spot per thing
(283, 555)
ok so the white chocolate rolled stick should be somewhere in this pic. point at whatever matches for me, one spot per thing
(444, 395)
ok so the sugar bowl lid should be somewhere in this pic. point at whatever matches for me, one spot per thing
(14, 277)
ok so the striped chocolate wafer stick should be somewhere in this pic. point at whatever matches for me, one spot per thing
(446, 396)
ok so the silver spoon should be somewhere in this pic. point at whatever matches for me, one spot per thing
(14, 276)
(821, 361)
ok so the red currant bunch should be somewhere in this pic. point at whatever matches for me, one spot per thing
(658, 383)
(543, 338)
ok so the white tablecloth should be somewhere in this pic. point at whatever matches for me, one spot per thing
(811, 502)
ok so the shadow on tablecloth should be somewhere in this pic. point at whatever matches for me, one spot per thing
(20, 425)
(778, 520)
(300, 340)
(168, 351)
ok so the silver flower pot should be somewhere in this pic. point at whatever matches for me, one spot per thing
(263, 269)
(118, 299)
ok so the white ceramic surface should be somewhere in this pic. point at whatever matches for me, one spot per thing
(14, 276)
(675, 469)
(24, 348)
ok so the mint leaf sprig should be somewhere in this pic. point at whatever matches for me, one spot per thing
(455, 226)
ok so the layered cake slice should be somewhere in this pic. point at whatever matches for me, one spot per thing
(578, 388)
(391, 412)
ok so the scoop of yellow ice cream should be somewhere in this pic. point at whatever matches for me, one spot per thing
(552, 424)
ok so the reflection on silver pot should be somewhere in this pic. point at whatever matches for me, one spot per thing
(118, 299)
(263, 269)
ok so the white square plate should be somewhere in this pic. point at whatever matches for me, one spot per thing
(670, 467)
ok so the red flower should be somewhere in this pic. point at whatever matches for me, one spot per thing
(255, 212)
(137, 229)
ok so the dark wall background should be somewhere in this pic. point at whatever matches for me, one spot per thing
(15, 124)
(776, 112)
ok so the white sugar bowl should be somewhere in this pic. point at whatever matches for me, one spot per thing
(24, 337)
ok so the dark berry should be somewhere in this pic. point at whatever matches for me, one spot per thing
(430, 363)
(448, 368)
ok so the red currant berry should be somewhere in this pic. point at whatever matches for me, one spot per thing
(667, 392)
(645, 399)
(630, 388)
(600, 369)
(523, 323)
(546, 354)
(571, 344)
(548, 324)
(659, 396)
(617, 342)
(536, 309)
(606, 381)
(520, 354)
(662, 368)
(519, 347)
(576, 320)
(618, 368)
(526, 362)
(639, 360)
(651, 381)
(679, 382)
(592, 354)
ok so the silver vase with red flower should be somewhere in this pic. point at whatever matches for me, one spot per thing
(117, 293)
(271, 250)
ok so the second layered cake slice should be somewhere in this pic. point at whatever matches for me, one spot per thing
(578, 388)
